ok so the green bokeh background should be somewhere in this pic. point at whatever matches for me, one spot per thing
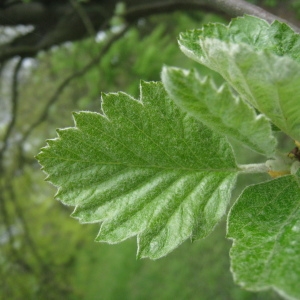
(50, 255)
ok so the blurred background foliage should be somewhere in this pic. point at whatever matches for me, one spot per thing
(45, 254)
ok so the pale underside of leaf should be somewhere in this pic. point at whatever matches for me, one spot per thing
(258, 60)
(264, 225)
(277, 37)
(143, 168)
(219, 109)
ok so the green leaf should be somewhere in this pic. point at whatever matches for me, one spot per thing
(142, 168)
(219, 109)
(260, 61)
(264, 225)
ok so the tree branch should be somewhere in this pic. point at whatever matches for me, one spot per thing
(231, 8)
(24, 14)
(237, 8)
(58, 23)
(42, 118)
(61, 24)
(84, 17)
(15, 97)
(145, 10)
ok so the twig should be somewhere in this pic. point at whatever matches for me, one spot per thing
(144, 10)
(236, 8)
(231, 8)
(14, 107)
(67, 80)
(84, 17)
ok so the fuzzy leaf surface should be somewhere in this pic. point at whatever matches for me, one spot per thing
(260, 61)
(142, 168)
(264, 225)
(219, 109)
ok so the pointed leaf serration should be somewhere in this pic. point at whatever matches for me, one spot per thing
(219, 109)
(142, 168)
(260, 61)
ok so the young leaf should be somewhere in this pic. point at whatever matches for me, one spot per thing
(142, 168)
(260, 61)
(264, 225)
(219, 109)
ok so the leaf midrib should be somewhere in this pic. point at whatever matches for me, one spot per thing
(236, 169)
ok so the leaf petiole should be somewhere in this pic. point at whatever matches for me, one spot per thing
(254, 168)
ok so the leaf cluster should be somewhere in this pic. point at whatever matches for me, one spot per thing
(162, 168)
